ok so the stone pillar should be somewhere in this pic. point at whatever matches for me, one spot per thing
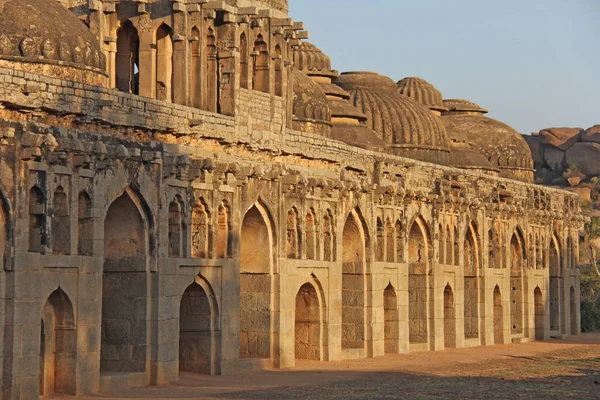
(147, 64)
(228, 61)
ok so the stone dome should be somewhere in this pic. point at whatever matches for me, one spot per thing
(312, 61)
(423, 92)
(43, 32)
(407, 127)
(504, 147)
(311, 111)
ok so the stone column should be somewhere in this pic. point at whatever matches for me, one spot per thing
(180, 52)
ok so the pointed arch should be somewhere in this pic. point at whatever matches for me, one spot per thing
(392, 321)
(37, 220)
(310, 231)
(85, 225)
(61, 223)
(201, 232)
(196, 68)
(329, 238)
(471, 283)
(198, 327)
(256, 268)
(308, 323)
(176, 231)
(244, 59)
(418, 252)
(353, 285)
(294, 234)
(223, 230)
(380, 243)
(277, 56)
(389, 242)
(498, 317)
(449, 318)
(127, 59)
(538, 301)
(261, 81)
(399, 229)
(517, 265)
(556, 278)
(127, 246)
(58, 346)
(164, 63)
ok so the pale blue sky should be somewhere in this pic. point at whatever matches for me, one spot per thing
(533, 63)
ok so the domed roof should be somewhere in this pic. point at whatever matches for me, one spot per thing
(407, 127)
(423, 92)
(310, 104)
(464, 156)
(45, 31)
(312, 61)
(503, 146)
(461, 105)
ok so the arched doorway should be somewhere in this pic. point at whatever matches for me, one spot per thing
(353, 284)
(539, 314)
(392, 323)
(498, 317)
(195, 331)
(573, 309)
(308, 324)
(471, 284)
(124, 288)
(555, 285)
(58, 346)
(516, 283)
(255, 285)
(449, 318)
(418, 250)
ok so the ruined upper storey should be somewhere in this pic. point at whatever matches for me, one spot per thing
(217, 56)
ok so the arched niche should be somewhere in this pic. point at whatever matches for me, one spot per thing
(498, 317)
(353, 282)
(261, 81)
(392, 321)
(256, 283)
(517, 264)
(540, 326)
(449, 318)
(58, 346)
(201, 236)
(556, 279)
(124, 286)
(37, 220)
(61, 223)
(418, 251)
(308, 323)
(85, 225)
(244, 60)
(471, 283)
(198, 327)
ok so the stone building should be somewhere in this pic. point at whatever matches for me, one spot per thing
(187, 185)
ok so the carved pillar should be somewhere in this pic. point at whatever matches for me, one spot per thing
(228, 59)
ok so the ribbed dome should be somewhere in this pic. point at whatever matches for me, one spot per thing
(45, 31)
(423, 92)
(312, 61)
(461, 105)
(407, 127)
(311, 109)
(504, 147)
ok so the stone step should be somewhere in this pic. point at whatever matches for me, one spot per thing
(111, 382)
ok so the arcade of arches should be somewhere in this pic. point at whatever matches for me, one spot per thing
(185, 189)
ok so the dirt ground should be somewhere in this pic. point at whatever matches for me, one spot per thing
(567, 369)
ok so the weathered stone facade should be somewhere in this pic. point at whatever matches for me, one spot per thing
(174, 218)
